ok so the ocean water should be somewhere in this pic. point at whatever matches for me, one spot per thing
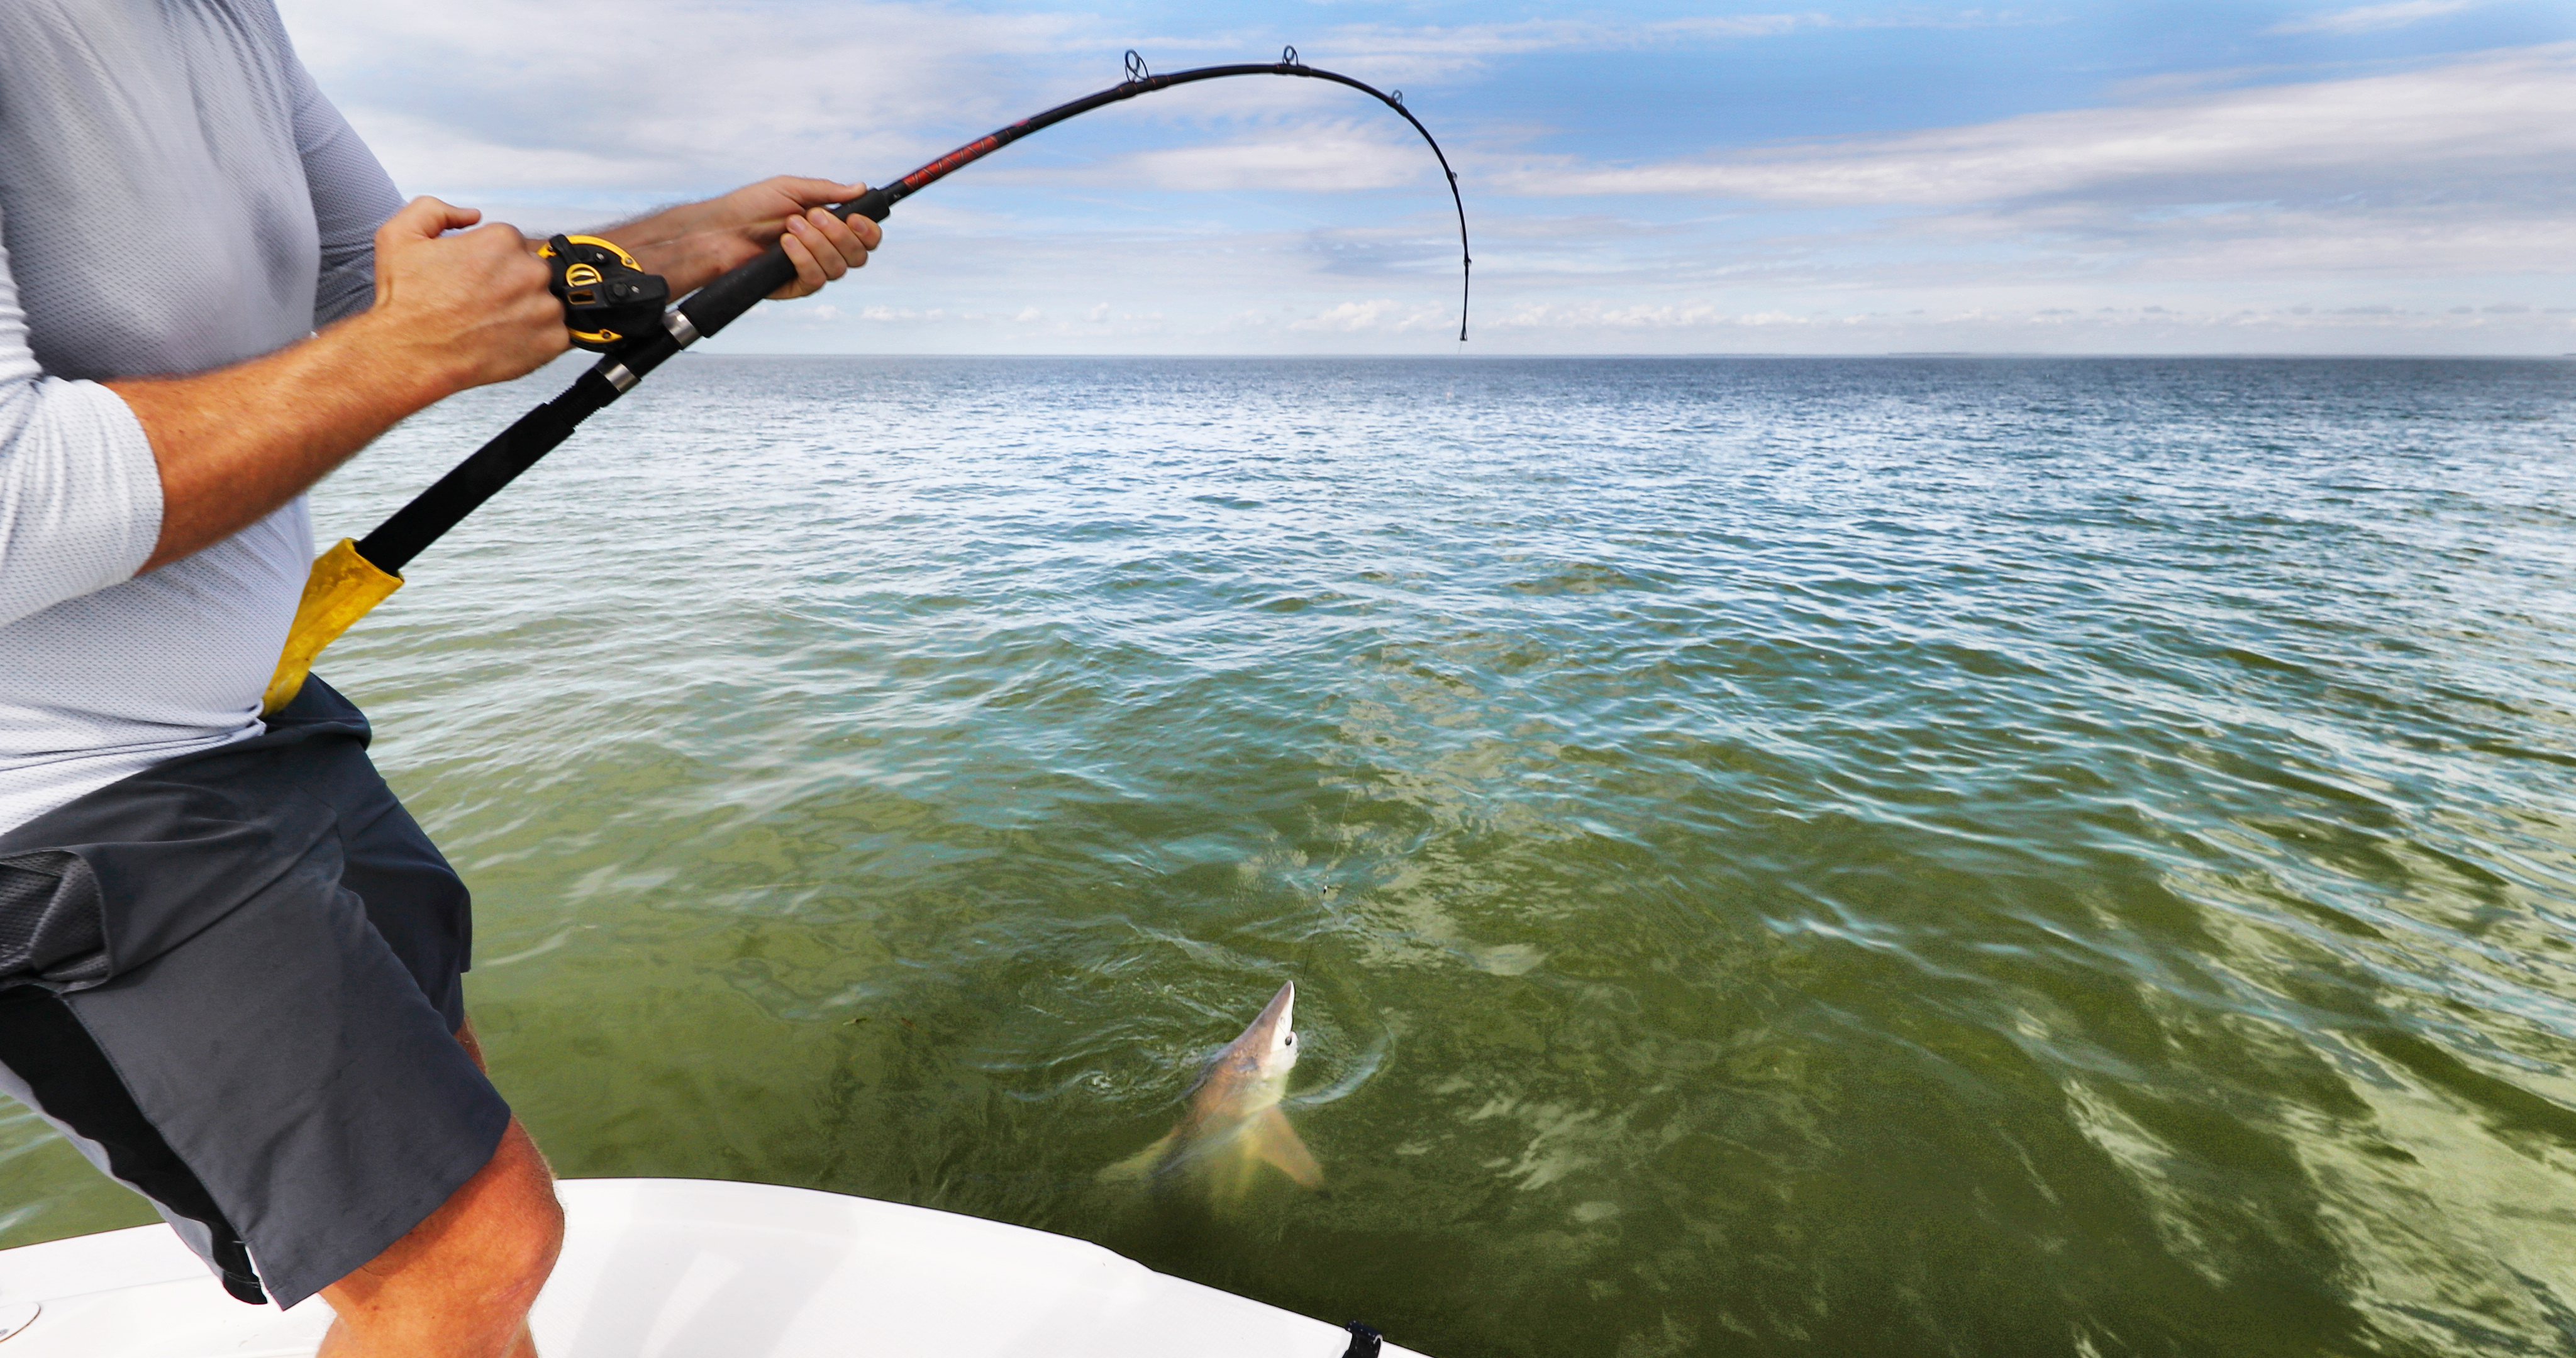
(1856, 857)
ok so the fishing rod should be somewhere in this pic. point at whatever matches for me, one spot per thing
(615, 308)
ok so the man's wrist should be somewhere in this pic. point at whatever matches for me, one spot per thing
(373, 349)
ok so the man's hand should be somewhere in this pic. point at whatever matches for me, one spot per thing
(451, 312)
(472, 307)
(694, 243)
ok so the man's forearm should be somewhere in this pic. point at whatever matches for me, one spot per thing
(235, 444)
(451, 312)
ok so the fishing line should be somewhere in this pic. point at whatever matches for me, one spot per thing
(614, 307)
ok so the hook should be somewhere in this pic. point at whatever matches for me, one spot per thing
(1288, 55)
(1135, 67)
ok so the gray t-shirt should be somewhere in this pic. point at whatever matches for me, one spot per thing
(175, 196)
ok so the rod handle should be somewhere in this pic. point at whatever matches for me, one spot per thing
(723, 301)
(873, 205)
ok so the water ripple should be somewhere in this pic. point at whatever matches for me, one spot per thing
(1778, 856)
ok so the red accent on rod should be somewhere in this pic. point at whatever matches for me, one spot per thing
(950, 161)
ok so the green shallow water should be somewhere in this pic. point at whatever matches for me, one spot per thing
(1858, 857)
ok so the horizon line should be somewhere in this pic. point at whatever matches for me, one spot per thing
(1702, 354)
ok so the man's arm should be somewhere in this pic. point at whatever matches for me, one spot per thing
(694, 243)
(352, 196)
(451, 312)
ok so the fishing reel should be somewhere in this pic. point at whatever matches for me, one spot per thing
(608, 299)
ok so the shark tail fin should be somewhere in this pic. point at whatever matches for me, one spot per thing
(1274, 1140)
(1140, 1165)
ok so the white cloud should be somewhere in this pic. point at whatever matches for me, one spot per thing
(1635, 316)
(1556, 35)
(2453, 170)
(2371, 18)
(2503, 121)
(1313, 158)
(1380, 316)
(1700, 324)
(1389, 53)
(671, 96)
(2410, 240)
(1596, 34)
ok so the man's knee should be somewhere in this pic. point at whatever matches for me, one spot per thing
(519, 1221)
(484, 1253)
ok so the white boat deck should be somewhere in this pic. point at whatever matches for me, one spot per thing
(691, 1268)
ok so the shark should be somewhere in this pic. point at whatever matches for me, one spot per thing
(1233, 1124)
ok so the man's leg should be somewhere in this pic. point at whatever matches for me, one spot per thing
(285, 1057)
(462, 1281)
(460, 1284)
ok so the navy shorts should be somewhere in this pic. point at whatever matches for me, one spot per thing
(242, 997)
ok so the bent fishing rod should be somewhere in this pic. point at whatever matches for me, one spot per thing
(613, 307)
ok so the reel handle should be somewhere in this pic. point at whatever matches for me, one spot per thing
(608, 299)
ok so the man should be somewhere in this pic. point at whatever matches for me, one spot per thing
(229, 960)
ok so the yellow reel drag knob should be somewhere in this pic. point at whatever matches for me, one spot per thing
(607, 297)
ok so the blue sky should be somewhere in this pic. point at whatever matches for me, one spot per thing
(2390, 177)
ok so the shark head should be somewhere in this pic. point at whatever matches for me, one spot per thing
(1268, 1048)
(1251, 1073)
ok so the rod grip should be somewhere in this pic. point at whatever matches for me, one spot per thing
(873, 205)
(723, 301)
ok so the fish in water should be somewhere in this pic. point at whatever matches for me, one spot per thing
(1234, 1124)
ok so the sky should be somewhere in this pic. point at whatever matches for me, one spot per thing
(2255, 176)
